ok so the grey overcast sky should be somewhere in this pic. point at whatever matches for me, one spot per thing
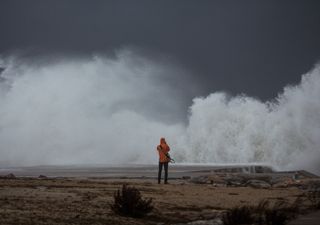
(249, 46)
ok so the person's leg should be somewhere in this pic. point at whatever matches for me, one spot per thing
(159, 172)
(166, 172)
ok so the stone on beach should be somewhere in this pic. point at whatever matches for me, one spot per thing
(8, 176)
(258, 184)
(200, 180)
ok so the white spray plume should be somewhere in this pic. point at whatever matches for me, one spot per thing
(85, 111)
(106, 110)
(284, 133)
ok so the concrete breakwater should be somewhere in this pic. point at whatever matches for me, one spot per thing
(146, 171)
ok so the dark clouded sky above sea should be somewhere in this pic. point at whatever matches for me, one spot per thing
(100, 81)
(252, 47)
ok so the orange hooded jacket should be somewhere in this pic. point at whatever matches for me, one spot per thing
(163, 149)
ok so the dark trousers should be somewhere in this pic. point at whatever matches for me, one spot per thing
(161, 164)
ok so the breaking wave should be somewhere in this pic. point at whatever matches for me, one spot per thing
(106, 110)
(284, 132)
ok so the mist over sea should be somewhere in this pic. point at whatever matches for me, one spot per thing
(114, 111)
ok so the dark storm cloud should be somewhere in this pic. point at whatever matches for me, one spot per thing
(252, 47)
(101, 81)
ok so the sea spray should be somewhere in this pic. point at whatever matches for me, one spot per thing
(103, 110)
(96, 110)
(284, 132)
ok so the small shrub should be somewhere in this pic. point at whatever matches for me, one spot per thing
(260, 211)
(275, 217)
(313, 196)
(263, 214)
(262, 206)
(128, 202)
(238, 215)
(278, 214)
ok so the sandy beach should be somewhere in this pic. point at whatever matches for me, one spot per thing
(82, 196)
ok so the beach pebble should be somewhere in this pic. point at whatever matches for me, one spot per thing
(200, 180)
(258, 184)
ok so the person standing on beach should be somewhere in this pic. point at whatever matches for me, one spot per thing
(164, 159)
